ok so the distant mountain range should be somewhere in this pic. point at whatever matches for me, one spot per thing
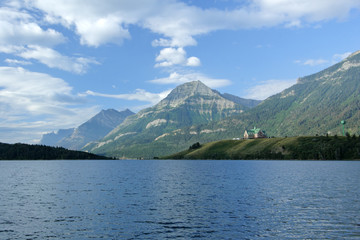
(192, 113)
(187, 105)
(92, 130)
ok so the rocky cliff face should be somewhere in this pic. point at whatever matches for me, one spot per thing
(188, 104)
(94, 129)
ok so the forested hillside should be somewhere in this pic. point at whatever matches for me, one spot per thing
(21, 151)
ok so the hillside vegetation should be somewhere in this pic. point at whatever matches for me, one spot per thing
(297, 148)
(21, 151)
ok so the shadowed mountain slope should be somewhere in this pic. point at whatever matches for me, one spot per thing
(93, 129)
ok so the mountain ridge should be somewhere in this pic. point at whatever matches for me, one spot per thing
(188, 104)
(93, 129)
(192, 112)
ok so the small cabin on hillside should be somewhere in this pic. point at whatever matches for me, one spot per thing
(254, 133)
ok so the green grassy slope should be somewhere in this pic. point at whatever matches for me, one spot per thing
(301, 148)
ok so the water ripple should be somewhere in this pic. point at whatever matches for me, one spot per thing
(179, 200)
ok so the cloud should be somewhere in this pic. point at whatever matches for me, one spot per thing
(193, 62)
(171, 56)
(316, 62)
(26, 97)
(21, 35)
(312, 62)
(177, 78)
(178, 23)
(139, 95)
(268, 88)
(49, 57)
(17, 62)
(54, 59)
(175, 56)
(95, 23)
(340, 56)
(20, 28)
(102, 30)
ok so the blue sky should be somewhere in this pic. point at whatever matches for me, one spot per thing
(62, 61)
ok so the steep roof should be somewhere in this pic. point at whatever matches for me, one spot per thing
(254, 130)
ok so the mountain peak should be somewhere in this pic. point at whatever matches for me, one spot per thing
(191, 88)
(187, 90)
(93, 129)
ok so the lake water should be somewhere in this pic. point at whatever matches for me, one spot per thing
(179, 200)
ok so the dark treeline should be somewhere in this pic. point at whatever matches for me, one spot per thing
(21, 151)
(327, 148)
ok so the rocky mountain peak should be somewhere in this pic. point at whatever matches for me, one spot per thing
(187, 90)
(190, 89)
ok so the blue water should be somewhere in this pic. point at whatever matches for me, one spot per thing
(179, 200)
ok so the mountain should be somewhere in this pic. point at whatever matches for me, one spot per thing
(53, 138)
(94, 129)
(189, 104)
(192, 113)
(315, 105)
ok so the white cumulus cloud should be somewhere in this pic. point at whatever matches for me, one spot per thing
(193, 62)
(22, 35)
(20, 28)
(175, 56)
(177, 22)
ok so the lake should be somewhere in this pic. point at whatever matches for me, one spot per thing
(156, 199)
